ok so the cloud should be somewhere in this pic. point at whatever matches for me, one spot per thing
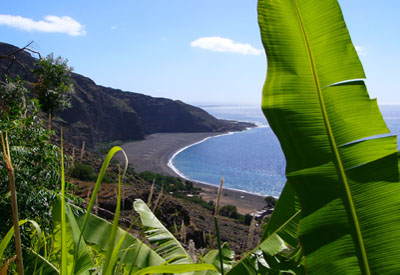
(219, 44)
(360, 50)
(113, 28)
(51, 23)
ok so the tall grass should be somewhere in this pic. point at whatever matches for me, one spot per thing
(76, 245)
(216, 224)
(14, 202)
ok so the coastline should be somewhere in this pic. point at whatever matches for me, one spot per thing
(176, 171)
(156, 152)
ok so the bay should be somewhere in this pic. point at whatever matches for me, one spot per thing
(251, 160)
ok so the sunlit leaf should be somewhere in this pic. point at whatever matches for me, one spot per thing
(318, 107)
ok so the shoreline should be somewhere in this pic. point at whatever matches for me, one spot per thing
(156, 152)
(176, 171)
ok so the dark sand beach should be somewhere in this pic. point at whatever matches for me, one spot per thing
(153, 154)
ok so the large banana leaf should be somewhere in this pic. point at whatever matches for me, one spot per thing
(137, 255)
(167, 245)
(347, 185)
(72, 232)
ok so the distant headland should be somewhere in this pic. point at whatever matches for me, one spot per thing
(101, 114)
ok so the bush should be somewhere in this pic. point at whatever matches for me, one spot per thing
(247, 219)
(171, 184)
(83, 172)
(229, 211)
(270, 201)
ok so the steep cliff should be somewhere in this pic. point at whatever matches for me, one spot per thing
(101, 114)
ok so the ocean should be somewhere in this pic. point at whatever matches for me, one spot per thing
(250, 160)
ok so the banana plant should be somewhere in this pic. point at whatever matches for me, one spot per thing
(82, 243)
(278, 251)
(213, 257)
(77, 235)
(167, 245)
(173, 252)
(341, 162)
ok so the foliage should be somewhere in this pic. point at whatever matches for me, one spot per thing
(83, 172)
(12, 100)
(178, 188)
(270, 201)
(81, 242)
(53, 87)
(229, 211)
(343, 172)
(213, 257)
(167, 245)
(35, 160)
(278, 251)
(196, 199)
(102, 148)
(7, 238)
(171, 184)
(338, 212)
(247, 219)
(181, 190)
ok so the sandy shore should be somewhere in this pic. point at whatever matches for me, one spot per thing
(153, 154)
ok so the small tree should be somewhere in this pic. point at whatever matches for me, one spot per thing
(53, 87)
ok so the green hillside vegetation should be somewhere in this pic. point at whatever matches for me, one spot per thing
(337, 214)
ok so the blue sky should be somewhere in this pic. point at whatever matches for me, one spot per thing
(205, 51)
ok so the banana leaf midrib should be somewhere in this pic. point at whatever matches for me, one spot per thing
(334, 148)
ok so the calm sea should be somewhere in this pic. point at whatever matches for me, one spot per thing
(251, 160)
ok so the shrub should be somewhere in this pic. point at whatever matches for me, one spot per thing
(270, 201)
(247, 219)
(83, 172)
(171, 184)
(229, 211)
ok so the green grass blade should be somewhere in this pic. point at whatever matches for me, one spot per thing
(46, 267)
(7, 238)
(213, 257)
(82, 261)
(106, 162)
(219, 245)
(115, 254)
(64, 252)
(138, 254)
(107, 267)
(78, 263)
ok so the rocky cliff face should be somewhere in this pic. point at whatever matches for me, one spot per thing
(101, 114)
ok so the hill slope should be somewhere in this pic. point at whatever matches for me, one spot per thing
(102, 114)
